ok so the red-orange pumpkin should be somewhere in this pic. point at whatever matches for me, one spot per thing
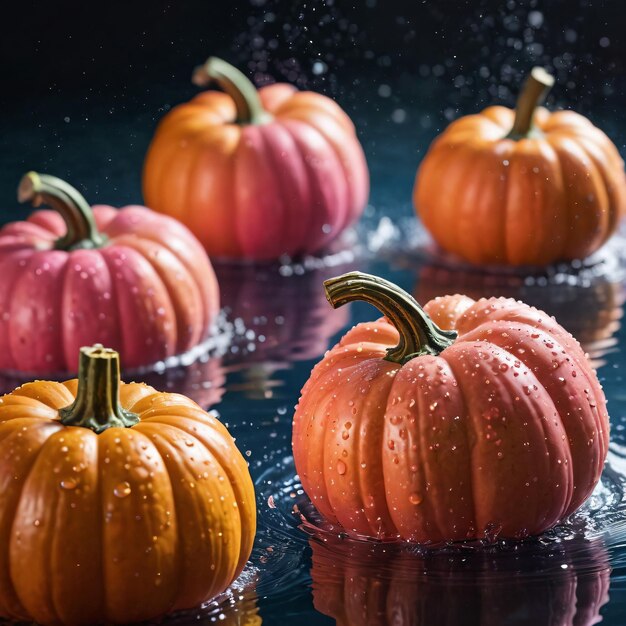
(257, 174)
(521, 188)
(405, 430)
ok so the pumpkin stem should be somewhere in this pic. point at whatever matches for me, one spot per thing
(97, 405)
(419, 335)
(533, 93)
(237, 85)
(82, 231)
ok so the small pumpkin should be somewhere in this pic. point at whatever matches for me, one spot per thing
(523, 187)
(117, 503)
(405, 430)
(130, 278)
(257, 174)
(360, 583)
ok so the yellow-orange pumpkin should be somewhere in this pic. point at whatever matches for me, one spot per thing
(117, 503)
(524, 187)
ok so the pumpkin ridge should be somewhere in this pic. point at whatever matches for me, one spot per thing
(46, 558)
(350, 199)
(316, 188)
(184, 340)
(6, 546)
(612, 208)
(212, 443)
(471, 437)
(597, 419)
(168, 336)
(165, 447)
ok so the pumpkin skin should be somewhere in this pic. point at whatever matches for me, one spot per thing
(257, 175)
(132, 279)
(366, 584)
(118, 503)
(502, 431)
(551, 189)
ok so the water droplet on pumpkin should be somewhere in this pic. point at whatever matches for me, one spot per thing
(122, 490)
(69, 484)
(415, 498)
(341, 467)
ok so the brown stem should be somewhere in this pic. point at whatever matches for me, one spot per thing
(97, 404)
(82, 231)
(418, 333)
(533, 93)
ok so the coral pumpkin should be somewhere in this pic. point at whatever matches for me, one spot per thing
(119, 503)
(138, 281)
(521, 188)
(257, 174)
(405, 430)
(360, 583)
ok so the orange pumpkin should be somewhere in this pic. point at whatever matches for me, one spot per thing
(360, 583)
(257, 174)
(523, 187)
(117, 503)
(404, 430)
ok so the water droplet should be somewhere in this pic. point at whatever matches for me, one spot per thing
(341, 467)
(69, 484)
(122, 490)
(415, 498)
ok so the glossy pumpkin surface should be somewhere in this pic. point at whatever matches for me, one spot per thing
(131, 279)
(406, 430)
(118, 503)
(524, 187)
(257, 174)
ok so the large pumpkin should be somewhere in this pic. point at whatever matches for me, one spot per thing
(361, 583)
(117, 503)
(132, 279)
(257, 174)
(405, 430)
(521, 188)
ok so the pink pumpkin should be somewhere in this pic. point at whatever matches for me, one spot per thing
(257, 174)
(131, 279)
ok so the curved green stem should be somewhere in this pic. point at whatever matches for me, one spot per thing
(237, 85)
(97, 405)
(419, 335)
(82, 231)
(533, 93)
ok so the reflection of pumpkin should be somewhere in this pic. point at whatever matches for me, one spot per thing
(257, 174)
(118, 503)
(521, 188)
(364, 584)
(289, 315)
(591, 312)
(133, 279)
(405, 430)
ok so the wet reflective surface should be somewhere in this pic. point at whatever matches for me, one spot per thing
(276, 323)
